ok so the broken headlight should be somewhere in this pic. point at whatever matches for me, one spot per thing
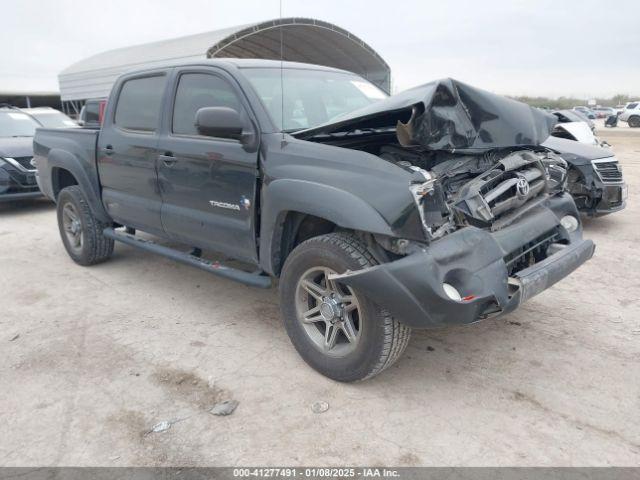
(429, 197)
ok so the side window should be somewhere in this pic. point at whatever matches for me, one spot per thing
(631, 106)
(92, 112)
(139, 103)
(196, 91)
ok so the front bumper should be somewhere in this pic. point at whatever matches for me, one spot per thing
(593, 196)
(613, 198)
(17, 184)
(473, 261)
(600, 199)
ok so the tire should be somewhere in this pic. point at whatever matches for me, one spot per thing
(368, 339)
(634, 122)
(80, 230)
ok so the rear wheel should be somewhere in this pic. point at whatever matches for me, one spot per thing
(336, 329)
(80, 230)
(634, 122)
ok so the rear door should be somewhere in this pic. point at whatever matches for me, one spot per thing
(208, 184)
(127, 152)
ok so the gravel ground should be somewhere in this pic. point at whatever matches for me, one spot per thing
(94, 358)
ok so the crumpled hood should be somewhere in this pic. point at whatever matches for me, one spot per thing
(448, 115)
(16, 147)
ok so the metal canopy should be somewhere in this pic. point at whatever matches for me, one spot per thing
(304, 40)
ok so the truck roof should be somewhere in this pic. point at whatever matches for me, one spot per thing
(239, 63)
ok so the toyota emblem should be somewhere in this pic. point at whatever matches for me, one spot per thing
(522, 187)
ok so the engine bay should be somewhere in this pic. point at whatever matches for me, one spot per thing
(489, 189)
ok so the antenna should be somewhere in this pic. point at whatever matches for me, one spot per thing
(281, 74)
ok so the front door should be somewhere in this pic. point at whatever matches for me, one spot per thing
(127, 153)
(208, 185)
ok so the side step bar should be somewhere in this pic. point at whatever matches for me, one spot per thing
(252, 279)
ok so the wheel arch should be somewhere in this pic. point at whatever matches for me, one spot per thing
(292, 205)
(293, 228)
(61, 178)
(65, 169)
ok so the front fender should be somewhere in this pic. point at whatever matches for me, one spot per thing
(335, 205)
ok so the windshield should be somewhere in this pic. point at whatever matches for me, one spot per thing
(54, 119)
(310, 97)
(17, 124)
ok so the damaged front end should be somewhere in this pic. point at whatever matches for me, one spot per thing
(499, 226)
(493, 240)
(485, 191)
(469, 276)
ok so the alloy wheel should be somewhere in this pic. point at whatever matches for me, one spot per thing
(72, 226)
(329, 312)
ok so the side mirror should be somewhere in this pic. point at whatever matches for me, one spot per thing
(223, 122)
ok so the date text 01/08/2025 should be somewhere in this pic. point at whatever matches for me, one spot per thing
(312, 472)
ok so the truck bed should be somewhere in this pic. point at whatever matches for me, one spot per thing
(71, 149)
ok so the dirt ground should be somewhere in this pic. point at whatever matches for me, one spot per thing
(93, 358)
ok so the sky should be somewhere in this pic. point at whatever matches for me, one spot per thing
(583, 48)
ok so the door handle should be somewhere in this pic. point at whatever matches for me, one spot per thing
(108, 150)
(167, 159)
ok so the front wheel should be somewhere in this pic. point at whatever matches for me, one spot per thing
(80, 230)
(634, 122)
(336, 329)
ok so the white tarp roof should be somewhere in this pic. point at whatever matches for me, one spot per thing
(305, 40)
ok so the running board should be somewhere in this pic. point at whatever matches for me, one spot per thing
(252, 279)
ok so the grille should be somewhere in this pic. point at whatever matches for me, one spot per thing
(530, 253)
(500, 195)
(25, 162)
(609, 172)
(503, 195)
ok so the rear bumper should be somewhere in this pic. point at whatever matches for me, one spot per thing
(473, 261)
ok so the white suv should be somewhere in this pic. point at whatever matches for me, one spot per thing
(631, 114)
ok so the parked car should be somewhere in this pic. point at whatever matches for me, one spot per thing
(565, 116)
(17, 174)
(603, 112)
(570, 116)
(631, 114)
(577, 131)
(91, 113)
(595, 178)
(50, 117)
(575, 126)
(590, 114)
(374, 220)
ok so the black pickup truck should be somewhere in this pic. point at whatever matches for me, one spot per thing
(435, 206)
